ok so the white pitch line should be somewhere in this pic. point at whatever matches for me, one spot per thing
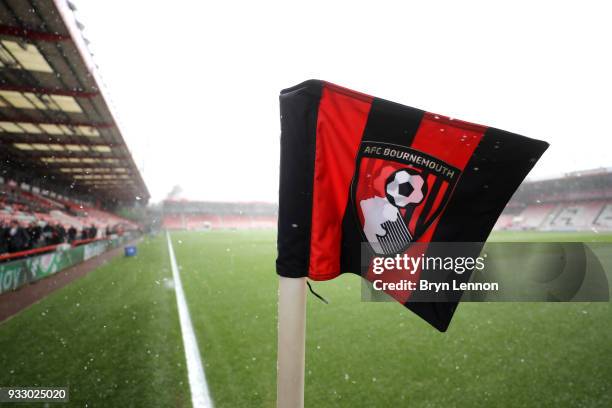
(200, 397)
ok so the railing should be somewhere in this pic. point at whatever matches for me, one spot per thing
(48, 248)
(38, 265)
(29, 252)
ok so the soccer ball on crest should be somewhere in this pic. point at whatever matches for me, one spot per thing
(405, 187)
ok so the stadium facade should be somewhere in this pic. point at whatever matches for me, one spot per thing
(205, 215)
(58, 132)
(577, 201)
(65, 168)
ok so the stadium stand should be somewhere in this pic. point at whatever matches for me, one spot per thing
(504, 221)
(29, 221)
(202, 215)
(604, 219)
(64, 165)
(533, 215)
(578, 201)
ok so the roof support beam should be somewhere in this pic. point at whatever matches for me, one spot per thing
(56, 122)
(31, 34)
(49, 91)
(46, 138)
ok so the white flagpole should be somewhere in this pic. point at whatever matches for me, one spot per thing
(291, 342)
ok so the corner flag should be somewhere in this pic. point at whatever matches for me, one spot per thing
(355, 169)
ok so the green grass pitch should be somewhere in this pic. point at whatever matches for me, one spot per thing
(114, 338)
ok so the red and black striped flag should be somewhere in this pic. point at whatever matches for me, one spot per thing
(355, 169)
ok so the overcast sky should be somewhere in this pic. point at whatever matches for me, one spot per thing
(196, 83)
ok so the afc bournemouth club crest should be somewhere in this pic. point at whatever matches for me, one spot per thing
(397, 193)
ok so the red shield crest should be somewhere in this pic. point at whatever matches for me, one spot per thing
(397, 193)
